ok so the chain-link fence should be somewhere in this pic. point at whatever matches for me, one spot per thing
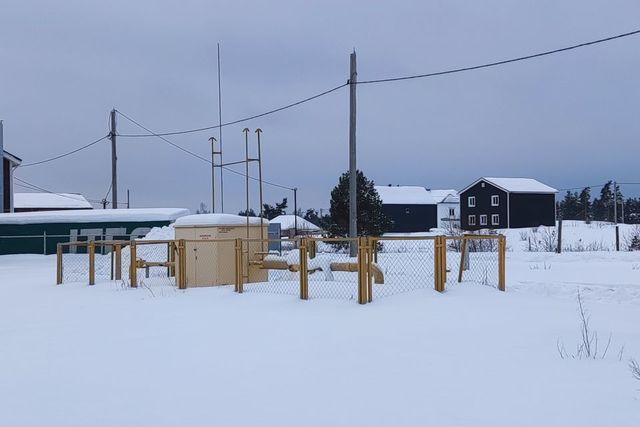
(331, 270)
(405, 264)
(73, 263)
(477, 259)
(275, 271)
(152, 263)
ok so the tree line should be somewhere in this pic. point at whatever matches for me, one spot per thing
(581, 206)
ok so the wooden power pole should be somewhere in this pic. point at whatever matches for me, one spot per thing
(353, 211)
(114, 162)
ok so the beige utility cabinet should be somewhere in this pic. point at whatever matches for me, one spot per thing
(210, 247)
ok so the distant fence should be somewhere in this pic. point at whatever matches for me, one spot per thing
(46, 244)
(307, 267)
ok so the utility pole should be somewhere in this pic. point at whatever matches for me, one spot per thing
(114, 160)
(615, 213)
(213, 176)
(220, 134)
(353, 212)
(246, 169)
(128, 205)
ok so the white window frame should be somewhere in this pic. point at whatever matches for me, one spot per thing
(495, 219)
(471, 201)
(495, 200)
(483, 219)
(472, 220)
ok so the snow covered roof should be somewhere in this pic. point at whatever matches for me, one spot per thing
(287, 222)
(517, 185)
(13, 159)
(440, 195)
(405, 195)
(50, 201)
(94, 215)
(214, 219)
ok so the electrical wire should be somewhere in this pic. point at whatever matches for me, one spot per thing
(191, 153)
(245, 119)
(503, 62)
(65, 154)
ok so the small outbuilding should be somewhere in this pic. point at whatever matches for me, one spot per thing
(211, 251)
(293, 225)
(9, 164)
(491, 203)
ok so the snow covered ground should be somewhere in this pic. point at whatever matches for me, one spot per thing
(74, 355)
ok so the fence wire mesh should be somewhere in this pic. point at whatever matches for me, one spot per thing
(74, 262)
(406, 264)
(271, 271)
(107, 265)
(152, 263)
(473, 259)
(333, 273)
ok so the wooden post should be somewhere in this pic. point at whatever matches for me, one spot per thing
(238, 265)
(118, 249)
(304, 272)
(617, 238)
(439, 264)
(370, 243)
(362, 270)
(502, 255)
(242, 265)
(92, 263)
(59, 264)
(182, 264)
(464, 260)
(133, 268)
(559, 248)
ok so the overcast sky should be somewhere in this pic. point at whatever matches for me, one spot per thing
(568, 120)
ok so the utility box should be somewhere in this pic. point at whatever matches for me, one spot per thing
(211, 248)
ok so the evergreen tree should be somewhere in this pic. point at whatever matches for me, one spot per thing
(603, 205)
(270, 212)
(244, 213)
(371, 220)
(570, 206)
(203, 209)
(584, 204)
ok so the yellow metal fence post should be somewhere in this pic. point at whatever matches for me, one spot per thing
(182, 264)
(238, 265)
(439, 263)
(118, 267)
(92, 263)
(363, 270)
(59, 264)
(371, 244)
(304, 272)
(502, 248)
(133, 268)
(463, 258)
(242, 265)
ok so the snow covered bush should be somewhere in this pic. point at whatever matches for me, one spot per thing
(632, 239)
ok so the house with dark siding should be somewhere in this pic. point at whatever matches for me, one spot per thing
(417, 209)
(491, 203)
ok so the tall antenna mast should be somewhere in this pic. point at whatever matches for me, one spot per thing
(220, 134)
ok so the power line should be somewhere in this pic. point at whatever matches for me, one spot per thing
(245, 119)
(191, 153)
(506, 61)
(65, 154)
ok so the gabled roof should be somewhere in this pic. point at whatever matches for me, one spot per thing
(50, 201)
(516, 185)
(405, 195)
(440, 195)
(13, 159)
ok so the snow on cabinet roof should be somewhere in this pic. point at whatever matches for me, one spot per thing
(404, 195)
(94, 215)
(50, 201)
(287, 222)
(209, 220)
(517, 185)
